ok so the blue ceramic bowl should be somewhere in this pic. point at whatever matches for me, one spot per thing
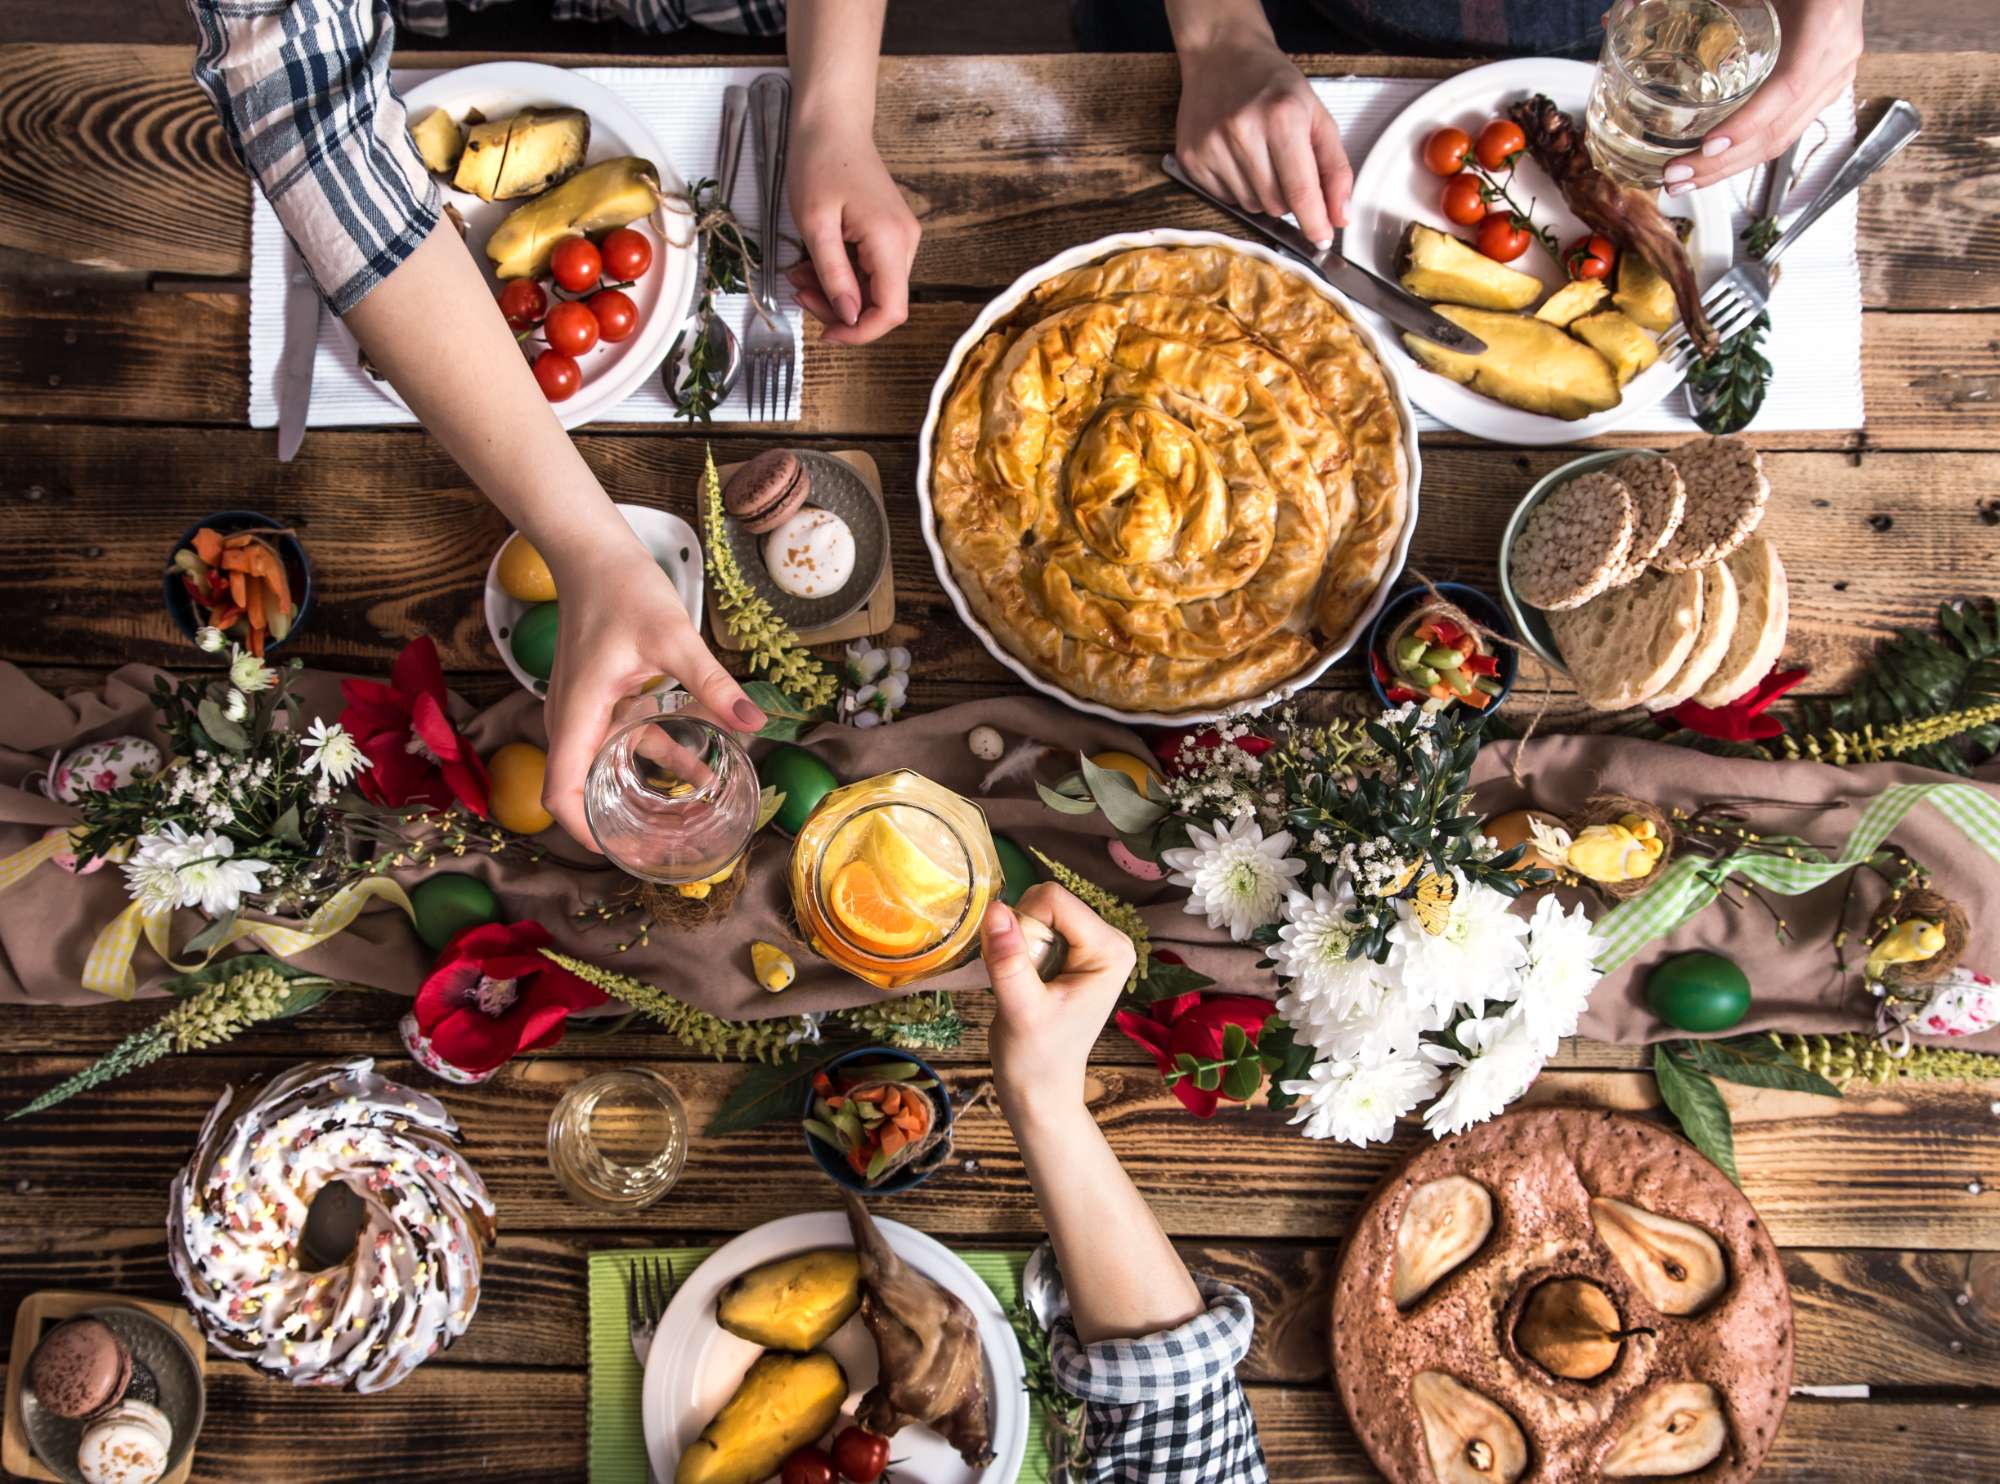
(298, 570)
(836, 1168)
(1480, 608)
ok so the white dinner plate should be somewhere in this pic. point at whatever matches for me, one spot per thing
(695, 1364)
(611, 373)
(1393, 188)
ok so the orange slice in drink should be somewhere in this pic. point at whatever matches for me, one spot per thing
(869, 913)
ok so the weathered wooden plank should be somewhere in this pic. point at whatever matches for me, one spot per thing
(401, 542)
(109, 155)
(1898, 1169)
(1930, 380)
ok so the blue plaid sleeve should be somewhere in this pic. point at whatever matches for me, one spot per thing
(1168, 1407)
(303, 90)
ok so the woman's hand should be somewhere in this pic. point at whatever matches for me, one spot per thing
(842, 195)
(622, 624)
(1251, 130)
(1042, 1033)
(1819, 45)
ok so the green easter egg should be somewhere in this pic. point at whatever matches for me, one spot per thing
(1017, 869)
(535, 640)
(448, 903)
(1698, 992)
(802, 777)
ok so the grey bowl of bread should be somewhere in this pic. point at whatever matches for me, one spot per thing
(1645, 577)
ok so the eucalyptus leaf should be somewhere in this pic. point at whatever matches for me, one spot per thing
(219, 727)
(213, 938)
(1241, 1081)
(1062, 803)
(286, 827)
(786, 719)
(1167, 981)
(1691, 1095)
(768, 1092)
(1235, 1041)
(1755, 1062)
(1208, 1077)
(1128, 811)
(769, 802)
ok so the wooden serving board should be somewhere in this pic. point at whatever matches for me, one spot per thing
(41, 1311)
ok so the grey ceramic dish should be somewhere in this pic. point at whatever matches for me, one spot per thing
(1529, 621)
(166, 1356)
(835, 487)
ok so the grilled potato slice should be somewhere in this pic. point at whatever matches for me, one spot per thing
(1445, 271)
(1528, 363)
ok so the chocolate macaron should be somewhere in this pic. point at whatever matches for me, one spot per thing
(767, 491)
(81, 1369)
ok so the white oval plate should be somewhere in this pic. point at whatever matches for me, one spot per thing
(611, 373)
(669, 539)
(695, 1365)
(1393, 188)
(1076, 257)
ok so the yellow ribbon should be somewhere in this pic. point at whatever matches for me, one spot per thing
(17, 867)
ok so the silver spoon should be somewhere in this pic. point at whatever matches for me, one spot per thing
(728, 155)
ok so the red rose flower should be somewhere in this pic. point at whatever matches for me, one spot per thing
(1193, 1025)
(492, 995)
(416, 753)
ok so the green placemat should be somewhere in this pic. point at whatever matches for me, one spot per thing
(617, 1441)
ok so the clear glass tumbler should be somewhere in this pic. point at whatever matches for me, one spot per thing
(618, 1139)
(1671, 71)
(672, 798)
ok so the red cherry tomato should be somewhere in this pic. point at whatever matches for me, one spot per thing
(808, 1466)
(860, 1455)
(1462, 201)
(1591, 257)
(571, 328)
(558, 374)
(1497, 237)
(627, 254)
(1445, 151)
(524, 304)
(576, 264)
(617, 315)
(1499, 142)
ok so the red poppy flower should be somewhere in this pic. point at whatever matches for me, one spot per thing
(492, 995)
(1167, 746)
(1193, 1025)
(1743, 719)
(416, 753)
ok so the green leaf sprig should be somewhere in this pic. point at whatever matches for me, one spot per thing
(727, 255)
(1686, 1072)
(1727, 388)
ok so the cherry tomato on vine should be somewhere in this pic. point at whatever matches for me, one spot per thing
(860, 1455)
(627, 254)
(1462, 201)
(1499, 142)
(808, 1466)
(1591, 257)
(558, 375)
(1445, 151)
(523, 303)
(617, 316)
(576, 264)
(1499, 238)
(571, 328)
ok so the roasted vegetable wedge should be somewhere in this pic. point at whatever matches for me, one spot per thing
(1446, 271)
(506, 159)
(792, 1303)
(1571, 301)
(611, 193)
(1643, 294)
(1619, 340)
(1528, 363)
(785, 1402)
(439, 140)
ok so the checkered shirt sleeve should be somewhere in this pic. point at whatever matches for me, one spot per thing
(1167, 1409)
(303, 90)
(743, 17)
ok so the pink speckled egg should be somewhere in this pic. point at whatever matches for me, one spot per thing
(1133, 864)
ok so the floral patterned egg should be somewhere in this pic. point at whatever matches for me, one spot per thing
(1964, 1003)
(99, 767)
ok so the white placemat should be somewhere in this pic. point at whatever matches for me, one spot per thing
(683, 108)
(1815, 341)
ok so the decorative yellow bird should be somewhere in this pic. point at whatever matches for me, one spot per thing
(1908, 942)
(1626, 850)
(772, 965)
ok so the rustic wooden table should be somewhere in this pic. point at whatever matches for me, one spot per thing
(123, 371)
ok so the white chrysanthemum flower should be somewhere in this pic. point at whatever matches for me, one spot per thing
(332, 753)
(1472, 960)
(1359, 1104)
(214, 879)
(237, 706)
(1383, 1027)
(1503, 1065)
(248, 673)
(1553, 988)
(1312, 952)
(155, 887)
(1235, 876)
(209, 639)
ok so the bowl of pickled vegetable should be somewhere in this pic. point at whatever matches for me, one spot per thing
(1437, 644)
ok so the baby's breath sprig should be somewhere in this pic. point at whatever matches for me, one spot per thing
(759, 1040)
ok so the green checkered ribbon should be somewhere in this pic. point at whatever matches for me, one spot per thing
(1691, 883)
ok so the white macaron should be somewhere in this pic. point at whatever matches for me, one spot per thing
(130, 1445)
(811, 555)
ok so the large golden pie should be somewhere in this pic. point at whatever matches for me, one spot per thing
(1166, 479)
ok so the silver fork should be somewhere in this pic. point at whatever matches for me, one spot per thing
(646, 1296)
(768, 346)
(1740, 295)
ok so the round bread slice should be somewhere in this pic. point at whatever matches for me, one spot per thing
(1726, 494)
(1574, 543)
(1764, 610)
(1659, 501)
(1622, 648)
(1711, 641)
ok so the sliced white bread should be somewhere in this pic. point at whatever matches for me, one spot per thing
(1622, 647)
(1711, 642)
(1763, 611)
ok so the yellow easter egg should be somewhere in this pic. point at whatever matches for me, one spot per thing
(516, 773)
(523, 574)
(1132, 767)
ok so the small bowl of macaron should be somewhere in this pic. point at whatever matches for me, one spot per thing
(112, 1396)
(807, 533)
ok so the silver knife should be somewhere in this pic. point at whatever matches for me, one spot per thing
(1391, 302)
(295, 363)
